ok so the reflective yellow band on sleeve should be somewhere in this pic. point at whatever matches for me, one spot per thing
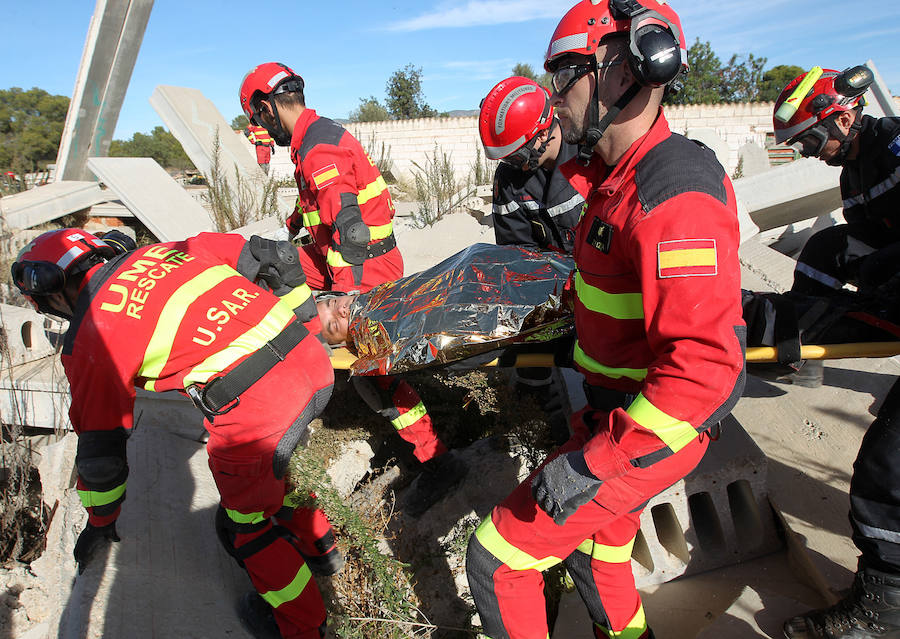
(617, 305)
(372, 190)
(311, 218)
(380, 232)
(290, 592)
(334, 259)
(674, 432)
(608, 554)
(592, 365)
(512, 557)
(160, 345)
(411, 416)
(248, 342)
(634, 629)
(297, 296)
(244, 518)
(91, 498)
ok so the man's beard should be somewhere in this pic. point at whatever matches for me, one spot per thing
(574, 133)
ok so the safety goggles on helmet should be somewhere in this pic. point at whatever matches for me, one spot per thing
(565, 77)
(38, 278)
(812, 142)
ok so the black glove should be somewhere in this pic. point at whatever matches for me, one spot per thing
(91, 539)
(564, 485)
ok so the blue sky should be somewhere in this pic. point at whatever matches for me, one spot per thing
(346, 50)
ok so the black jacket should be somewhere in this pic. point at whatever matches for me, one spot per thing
(870, 184)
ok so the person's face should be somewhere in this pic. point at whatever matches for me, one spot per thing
(334, 315)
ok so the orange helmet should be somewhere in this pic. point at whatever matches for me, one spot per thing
(812, 98)
(44, 265)
(267, 79)
(656, 51)
(514, 111)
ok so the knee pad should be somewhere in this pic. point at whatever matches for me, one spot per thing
(101, 458)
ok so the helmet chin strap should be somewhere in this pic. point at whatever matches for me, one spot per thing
(279, 135)
(846, 139)
(535, 153)
(596, 127)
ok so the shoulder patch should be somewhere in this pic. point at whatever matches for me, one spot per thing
(321, 131)
(685, 258)
(325, 176)
(675, 166)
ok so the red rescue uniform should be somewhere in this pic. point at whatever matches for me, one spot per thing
(660, 339)
(345, 205)
(259, 137)
(182, 316)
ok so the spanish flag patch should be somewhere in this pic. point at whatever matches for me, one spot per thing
(683, 258)
(325, 176)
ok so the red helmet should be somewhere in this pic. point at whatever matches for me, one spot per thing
(44, 264)
(812, 97)
(265, 80)
(514, 111)
(657, 52)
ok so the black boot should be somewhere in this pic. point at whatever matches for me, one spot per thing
(871, 610)
(331, 563)
(257, 616)
(438, 476)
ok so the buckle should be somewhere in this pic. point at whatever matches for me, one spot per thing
(198, 397)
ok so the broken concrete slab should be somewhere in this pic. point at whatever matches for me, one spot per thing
(765, 269)
(158, 201)
(49, 202)
(789, 193)
(36, 394)
(710, 138)
(753, 159)
(879, 101)
(24, 335)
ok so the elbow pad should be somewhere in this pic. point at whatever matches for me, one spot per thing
(353, 233)
(278, 264)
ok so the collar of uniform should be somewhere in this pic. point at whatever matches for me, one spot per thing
(306, 118)
(658, 132)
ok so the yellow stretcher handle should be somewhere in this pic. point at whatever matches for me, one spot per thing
(342, 359)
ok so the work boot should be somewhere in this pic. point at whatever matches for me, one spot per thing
(872, 609)
(325, 565)
(257, 616)
(810, 375)
(539, 385)
(438, 476)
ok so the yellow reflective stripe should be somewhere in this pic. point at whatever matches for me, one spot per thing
(592, 365)
(333, 258)
(244, 518)
(311, 218)
(297, 296)
(608, 554)
(101, 497)
(247, 342)
(674, 432)
(291, 591)
(617, 305)
(372, 190)
(411, 416)
(634, 629)
(504, 551)
(160, 345)
(380, 232)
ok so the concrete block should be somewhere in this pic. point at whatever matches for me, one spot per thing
(716, 516)
(764, 268)
(36, 394)
(879, 100)
(789, 193)
(711, 138)
(163, 206)
(753, 158)
(49, 202)
(23, 334)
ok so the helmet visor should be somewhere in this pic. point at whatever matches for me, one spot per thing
(811, 143)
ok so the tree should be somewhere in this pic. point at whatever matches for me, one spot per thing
(240, 123)
(701, 84)
(740, 79)
(31, 125)
(775, 79)
(369, 110)
(527, 71)
(159, 145)
(404, 95)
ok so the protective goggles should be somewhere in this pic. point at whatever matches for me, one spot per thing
(520, 157)
(812, 142)
(564, 78)
(38, 278)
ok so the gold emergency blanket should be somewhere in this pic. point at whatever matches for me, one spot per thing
(482, 299)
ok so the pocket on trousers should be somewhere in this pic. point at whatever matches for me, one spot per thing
(619, 497)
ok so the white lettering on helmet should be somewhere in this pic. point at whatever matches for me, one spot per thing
(275, 79)
(507, 102)
(662, 56)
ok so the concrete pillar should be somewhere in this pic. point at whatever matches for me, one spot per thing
(110, 51)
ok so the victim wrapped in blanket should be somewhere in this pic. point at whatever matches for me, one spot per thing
(482, 299)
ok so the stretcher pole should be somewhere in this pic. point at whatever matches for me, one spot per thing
(342, 359)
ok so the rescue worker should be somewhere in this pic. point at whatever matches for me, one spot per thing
(534, 205)
(658, 327)
(823, 118)
(220, 319)
(346, 208)
(264, 144)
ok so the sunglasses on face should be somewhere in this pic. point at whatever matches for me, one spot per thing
(564, 78)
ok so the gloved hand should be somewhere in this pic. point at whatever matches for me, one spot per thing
(282, 234)
(91, 539)
(564, 485)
